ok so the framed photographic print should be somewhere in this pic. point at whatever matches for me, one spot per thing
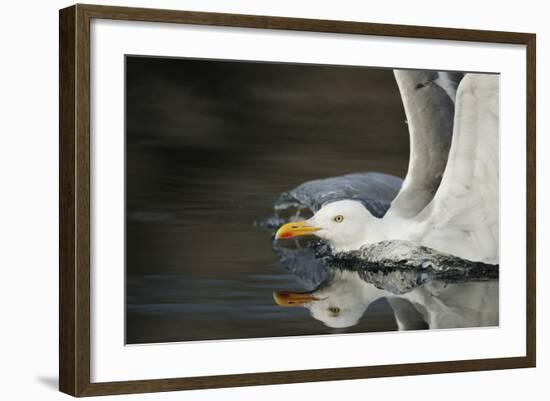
(251, 200)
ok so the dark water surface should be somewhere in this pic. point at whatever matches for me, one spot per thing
(210, 147)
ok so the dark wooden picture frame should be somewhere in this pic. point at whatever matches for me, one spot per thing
(74, 175)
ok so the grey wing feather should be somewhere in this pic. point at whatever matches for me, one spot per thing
(375, 190)
(429, 102)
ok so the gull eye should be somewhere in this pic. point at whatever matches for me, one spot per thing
(334, 309)
(339, 218)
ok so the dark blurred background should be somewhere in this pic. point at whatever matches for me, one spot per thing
(209, 147)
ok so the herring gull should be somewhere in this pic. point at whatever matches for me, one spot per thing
(449, 199)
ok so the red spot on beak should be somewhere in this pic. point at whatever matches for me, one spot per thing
(286, 235)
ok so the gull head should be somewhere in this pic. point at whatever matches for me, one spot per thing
(342, 224)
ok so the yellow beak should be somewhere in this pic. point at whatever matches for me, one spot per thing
(295, 229)
(285, 298)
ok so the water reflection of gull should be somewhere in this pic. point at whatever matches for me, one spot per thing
(431, 301)
(449, 199)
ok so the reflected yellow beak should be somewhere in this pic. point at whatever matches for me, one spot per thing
(295, 229)
(285, 298)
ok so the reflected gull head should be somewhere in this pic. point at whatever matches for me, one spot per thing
(339, 302)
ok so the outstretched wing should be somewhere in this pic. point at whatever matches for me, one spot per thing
(463, 217)
(429, 102)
